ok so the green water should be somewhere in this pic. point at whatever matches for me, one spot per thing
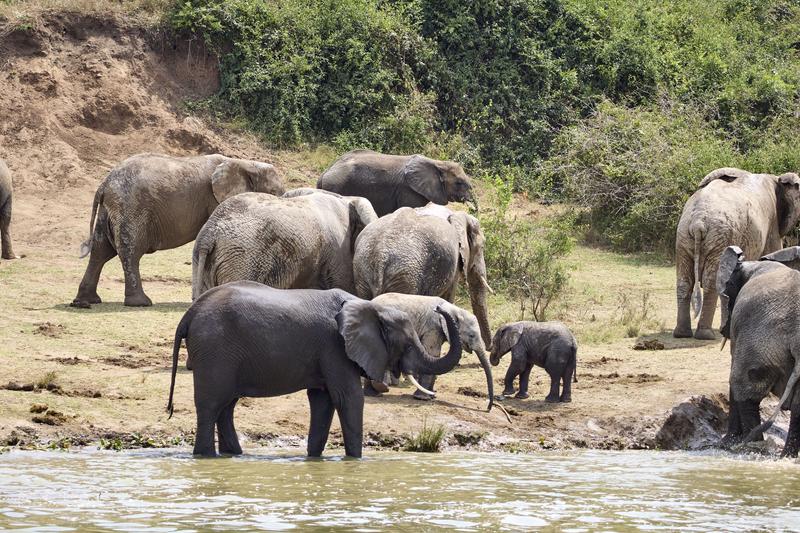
(168, 490)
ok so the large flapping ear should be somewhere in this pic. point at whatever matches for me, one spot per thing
(425, 178)
(506, 338)
(461, 225)
(229, 179)
(728, 261)
(788, 256)
(364, 342)
(726, 174)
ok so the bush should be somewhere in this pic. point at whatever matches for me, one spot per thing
(634, 168)
(429, 439)
(523, 258)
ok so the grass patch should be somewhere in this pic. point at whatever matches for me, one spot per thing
(47, 380)
(428, 440)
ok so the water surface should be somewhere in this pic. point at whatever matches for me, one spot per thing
(168, 490)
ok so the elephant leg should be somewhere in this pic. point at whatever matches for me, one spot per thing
(704, 330)
(5, 231)
(102, 252)
(524, 381)
(683, 290)
(350, 407)
(516, 368)
(321, 407)
(566, 379)
(735, 432)
(426, 381)
(204, 436)
(134, 293)
(226, 432)
(792, 446)
(555, 381)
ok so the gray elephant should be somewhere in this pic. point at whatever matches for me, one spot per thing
(549, 345)
(432, 332)
(394, 181)
(156, 202)
(304, 240)
(6, 197)
(765, 348)
(424, 251)
(731, 207)
(247, 339)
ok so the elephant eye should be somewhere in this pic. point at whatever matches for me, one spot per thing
(758, 373)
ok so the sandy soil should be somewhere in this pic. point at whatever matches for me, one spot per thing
(78, 93)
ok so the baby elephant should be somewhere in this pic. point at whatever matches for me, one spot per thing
(549, 345)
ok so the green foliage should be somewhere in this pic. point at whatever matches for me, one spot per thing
(634, 168)
(429, 439)
(523, 258)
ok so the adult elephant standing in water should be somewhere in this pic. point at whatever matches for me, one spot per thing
(731, 207)
(424, 251)
(156, 202)
(393, 181)
(6, 196)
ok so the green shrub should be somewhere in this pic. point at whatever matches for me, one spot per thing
(429, 439)
(634, 168)
(522, 257)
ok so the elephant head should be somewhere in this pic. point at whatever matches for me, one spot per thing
(734, 272)
(438, 181)
(471, 262)
(504, 340)
(235, 176)
(379, 338)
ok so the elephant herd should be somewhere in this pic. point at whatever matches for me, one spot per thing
(310, 289)
(729, 244)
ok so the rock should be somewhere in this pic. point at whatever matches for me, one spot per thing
(696, 423)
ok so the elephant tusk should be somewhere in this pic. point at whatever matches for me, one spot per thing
(486, 284)
(724, 340)
(414, 382)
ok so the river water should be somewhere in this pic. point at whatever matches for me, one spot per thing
(168, 490)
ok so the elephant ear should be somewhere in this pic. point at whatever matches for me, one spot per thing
(506, 338)
(788, 256)
(470, 240)
(364, 341)
(425, 178)
(788, 202)
(726, 174)
(230, 179)
(730, 281)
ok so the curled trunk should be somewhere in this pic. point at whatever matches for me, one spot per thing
(426, 364)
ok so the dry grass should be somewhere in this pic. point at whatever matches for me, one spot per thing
(148, 10)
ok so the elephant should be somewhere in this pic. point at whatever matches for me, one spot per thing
(394, 181)
(6, 197)
(156, 202)
(304, 240)
(248, 339)
(433, 333)
(549, 345)
(765, 349)
(424, 251)
(730, 207)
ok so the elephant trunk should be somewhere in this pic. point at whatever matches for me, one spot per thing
(488, 371)
(426, 364)
(477, 297)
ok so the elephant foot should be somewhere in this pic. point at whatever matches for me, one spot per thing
(419, 395)
(80, 304)
(565, 399)
(682, 333)
(551, 398)
(11, 256)
(522, 395)
(729, 441)
(204, 452)
(369, 389)
(139, 300)
(706, 334)
(508, 392)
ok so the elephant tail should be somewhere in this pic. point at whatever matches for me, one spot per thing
(574, 364)
(180, 334)
(86, 246)
(787, 394)
(697, 295)
(199, 276)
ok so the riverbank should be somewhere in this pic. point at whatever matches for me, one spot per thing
(82, 92)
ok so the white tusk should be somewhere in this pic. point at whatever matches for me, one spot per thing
(414, 382)
(486, 284)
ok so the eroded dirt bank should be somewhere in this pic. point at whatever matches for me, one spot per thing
(79, 93)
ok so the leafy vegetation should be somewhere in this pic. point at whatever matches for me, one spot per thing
(429, 439)
(619, 105)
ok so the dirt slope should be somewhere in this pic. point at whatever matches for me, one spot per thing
(79, 93)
